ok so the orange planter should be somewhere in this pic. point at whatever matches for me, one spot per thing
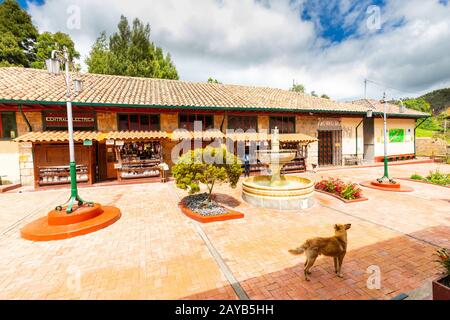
(231, 214)
(342, 199)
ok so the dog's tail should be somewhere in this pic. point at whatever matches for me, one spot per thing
(298, 251)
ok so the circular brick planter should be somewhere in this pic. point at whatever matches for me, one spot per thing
(342, 199)
(386, 186)
(231, 214)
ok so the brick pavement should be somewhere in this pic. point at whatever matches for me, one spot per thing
(154, 252)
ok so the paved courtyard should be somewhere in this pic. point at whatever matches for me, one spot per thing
(155, 252)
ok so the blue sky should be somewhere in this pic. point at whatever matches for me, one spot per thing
(325, 45)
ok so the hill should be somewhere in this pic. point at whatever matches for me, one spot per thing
(439, 100)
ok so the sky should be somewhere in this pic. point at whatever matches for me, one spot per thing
(328, 46)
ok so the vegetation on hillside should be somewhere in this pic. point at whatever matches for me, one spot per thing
(439, 100)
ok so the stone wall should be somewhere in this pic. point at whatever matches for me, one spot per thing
(169, 121)
(263, 123)
(308, 125)
(429, 147)
(106, 121)
(34, 118)
(26, 163)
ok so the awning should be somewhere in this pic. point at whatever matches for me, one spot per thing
(248, 136)
(204, 135)
(134, 135)
(58, 136)
(296, 137)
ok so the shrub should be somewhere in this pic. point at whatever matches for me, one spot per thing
(439, 178)
(444, 259)
(347, 191)
(191, 170)
(417, 177)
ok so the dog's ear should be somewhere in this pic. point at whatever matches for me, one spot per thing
(336, 227)
(347, 226)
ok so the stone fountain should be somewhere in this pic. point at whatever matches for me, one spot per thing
(278, 191)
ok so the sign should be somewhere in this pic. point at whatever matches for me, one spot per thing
(120, 143)
(110, 142)
(329, 124)
(87, 143)
(58, 120)
(396, 135)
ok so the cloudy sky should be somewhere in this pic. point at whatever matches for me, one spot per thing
(329, 46)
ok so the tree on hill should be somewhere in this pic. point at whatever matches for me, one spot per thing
(298, 88)
(439, 100)
(17, 35)
(418, 104)
(130, 52)
(212, 80)
(324, 96)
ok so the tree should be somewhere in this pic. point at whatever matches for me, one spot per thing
(130, 52)
(313, 93)
(298, 88)
(17, 35)
(418, 104)
(193, 169)
(212, 80)
(324, 96)
(46, 42)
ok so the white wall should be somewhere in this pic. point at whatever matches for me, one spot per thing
(395, 148)
(9, 161)
(349, 136)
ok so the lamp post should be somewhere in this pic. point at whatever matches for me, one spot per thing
(385, 137)
(53, 66)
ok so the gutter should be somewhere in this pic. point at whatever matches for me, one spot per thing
(209, 108)
(25, 118)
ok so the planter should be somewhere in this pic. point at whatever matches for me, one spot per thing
(342, 199)
(231, 214)
(440, 290)
(423, 181)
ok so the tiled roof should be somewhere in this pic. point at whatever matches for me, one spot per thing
(20, 84)
(378, 106)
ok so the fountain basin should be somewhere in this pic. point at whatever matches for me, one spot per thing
(289, 193)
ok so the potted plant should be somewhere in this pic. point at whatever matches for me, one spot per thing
(441, 286)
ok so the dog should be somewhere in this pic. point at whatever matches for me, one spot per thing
(335, 247)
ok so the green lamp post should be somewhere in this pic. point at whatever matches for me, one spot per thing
(53, 66)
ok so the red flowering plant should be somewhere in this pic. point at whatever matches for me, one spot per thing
(345, 190)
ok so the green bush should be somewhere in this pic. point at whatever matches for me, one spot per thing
(439, 178)
(191, 169)
(417, 177)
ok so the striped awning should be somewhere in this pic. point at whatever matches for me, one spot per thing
(296, 137)
(134, 135)
(204, 135)
(248, 136)
(58, 136)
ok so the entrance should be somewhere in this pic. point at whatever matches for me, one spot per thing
(330, 148)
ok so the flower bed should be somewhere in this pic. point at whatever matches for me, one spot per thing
(436, 178)
(347, 192)
(196, 207)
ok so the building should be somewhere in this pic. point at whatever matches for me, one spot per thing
(125, 127)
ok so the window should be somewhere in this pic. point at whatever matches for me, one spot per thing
(284, 124)
(8, 125)
(186, 121)
(139, 122)
(245, 123)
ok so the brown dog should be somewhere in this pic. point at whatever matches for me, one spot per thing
(335, 247)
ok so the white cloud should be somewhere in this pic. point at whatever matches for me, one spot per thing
(266, 42)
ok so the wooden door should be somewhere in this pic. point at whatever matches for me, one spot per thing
(326, 148)
(111, 172)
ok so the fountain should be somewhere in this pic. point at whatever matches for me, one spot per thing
(278, 191)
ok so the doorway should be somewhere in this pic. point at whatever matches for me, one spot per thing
(330, 148)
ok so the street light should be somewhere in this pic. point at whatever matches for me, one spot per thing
(386, 173)
(53, 66)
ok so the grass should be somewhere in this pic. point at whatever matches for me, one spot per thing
(424, 133)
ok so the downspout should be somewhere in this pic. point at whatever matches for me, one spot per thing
(357, 136)
(415, 134)
(25, 118)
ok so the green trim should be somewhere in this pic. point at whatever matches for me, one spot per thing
(288, 110)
